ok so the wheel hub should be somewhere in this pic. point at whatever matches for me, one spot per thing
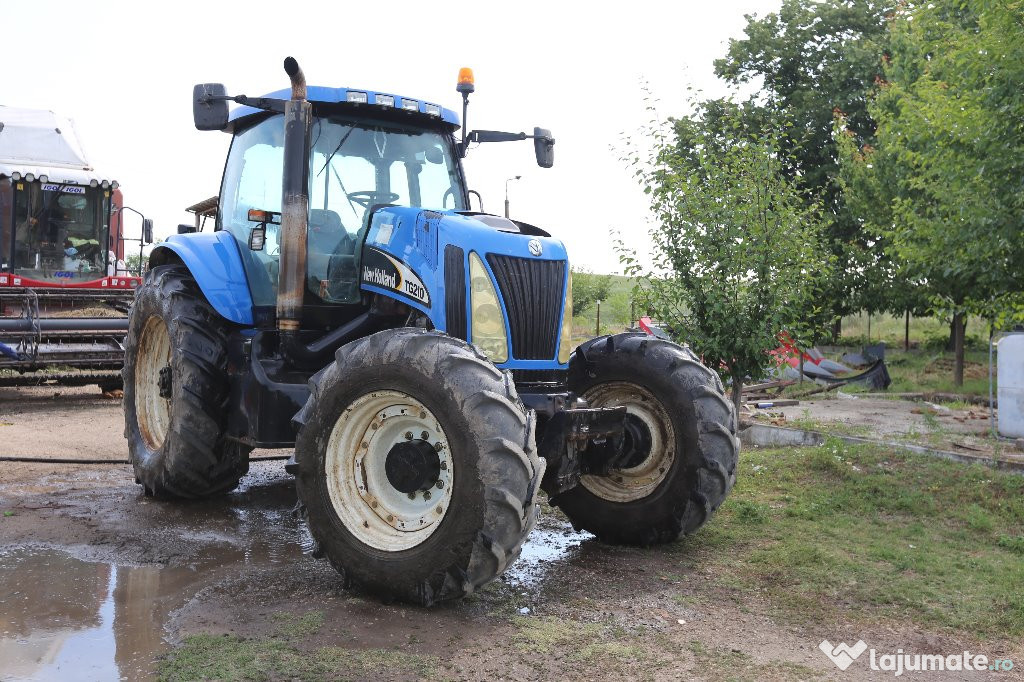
(636, 442)
(412, 466)
(389, 470)
(648, 443)
(164, 382)
(153, 382)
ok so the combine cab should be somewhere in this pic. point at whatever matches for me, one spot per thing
(64, 286)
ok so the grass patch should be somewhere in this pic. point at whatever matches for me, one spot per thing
(585, 642)
(293, 626)
(212, 657)
(873, 535)
(225, 657)
(719, 663)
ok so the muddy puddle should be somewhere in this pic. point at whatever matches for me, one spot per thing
(551, 544)
(72, 612)
(63, 618)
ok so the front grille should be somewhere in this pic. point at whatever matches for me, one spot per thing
(455, 291)
(533, 295)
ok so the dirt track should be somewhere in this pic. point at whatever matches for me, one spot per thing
(98, 581)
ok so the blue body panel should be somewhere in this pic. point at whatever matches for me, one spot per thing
(214, 261)
(399, 231)
(319, 93)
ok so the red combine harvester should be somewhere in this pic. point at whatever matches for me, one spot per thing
(64, 287)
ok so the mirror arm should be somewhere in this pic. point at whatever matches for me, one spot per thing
(264, 103)
(498, 136)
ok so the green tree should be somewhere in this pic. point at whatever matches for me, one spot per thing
(812, 60)
(736, 257)
(134, 263)
(943, 179)
(587, 289)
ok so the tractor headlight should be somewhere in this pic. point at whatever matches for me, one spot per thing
(488, 322)
(565, 339)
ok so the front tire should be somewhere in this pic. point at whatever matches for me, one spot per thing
(680, 433)
(417, 468)
(176, 390)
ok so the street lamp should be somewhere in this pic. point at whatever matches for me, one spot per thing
(506, 192)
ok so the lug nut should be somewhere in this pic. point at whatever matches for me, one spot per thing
(426, 494)
(424, 435)
(412, 496)
(439, 446)
(444, 466)
(439, 484)
(408, 435)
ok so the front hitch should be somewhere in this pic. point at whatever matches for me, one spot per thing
(581, 441)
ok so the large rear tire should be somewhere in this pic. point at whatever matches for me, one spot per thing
(176, 390)
(417, 469)
(679, 431)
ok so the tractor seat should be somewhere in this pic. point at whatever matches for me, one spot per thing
(328, 242)
(327, 235)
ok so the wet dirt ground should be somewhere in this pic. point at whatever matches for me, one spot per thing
(98, 582)
(958, 428)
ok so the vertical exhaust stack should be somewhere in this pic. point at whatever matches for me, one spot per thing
(294, 208)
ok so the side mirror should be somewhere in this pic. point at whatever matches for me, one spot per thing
(184, 228)
(258, 237)
(147, 230)
(209, 111)
(544, 147)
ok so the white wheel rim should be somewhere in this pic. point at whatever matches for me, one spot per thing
(634, 483)
(366, 502)
(153, 411)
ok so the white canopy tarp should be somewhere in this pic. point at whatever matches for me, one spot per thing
(42, 143)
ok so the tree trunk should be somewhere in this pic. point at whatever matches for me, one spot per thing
(737, 396)
(951, 345)
(959, 329)
(869, 329)
(837, 330)
(906, 332)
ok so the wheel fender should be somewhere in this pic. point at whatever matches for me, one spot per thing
(216, 265)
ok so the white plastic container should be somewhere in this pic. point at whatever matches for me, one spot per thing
(1010, 379)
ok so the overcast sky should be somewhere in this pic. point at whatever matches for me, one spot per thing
(124, 72)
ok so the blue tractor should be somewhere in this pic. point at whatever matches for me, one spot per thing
(415, 353)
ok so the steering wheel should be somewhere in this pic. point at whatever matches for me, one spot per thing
(367, 198)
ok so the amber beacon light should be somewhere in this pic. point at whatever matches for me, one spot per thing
(465, 80)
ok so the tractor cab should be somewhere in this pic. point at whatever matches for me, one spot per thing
(363, 156)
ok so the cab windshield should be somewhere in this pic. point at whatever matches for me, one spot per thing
(355, 166)
(59, 232)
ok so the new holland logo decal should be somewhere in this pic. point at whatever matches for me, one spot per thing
(387, 272)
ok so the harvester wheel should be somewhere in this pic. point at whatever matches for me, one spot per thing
(176, 390)
(682, 448)
(417, 469)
